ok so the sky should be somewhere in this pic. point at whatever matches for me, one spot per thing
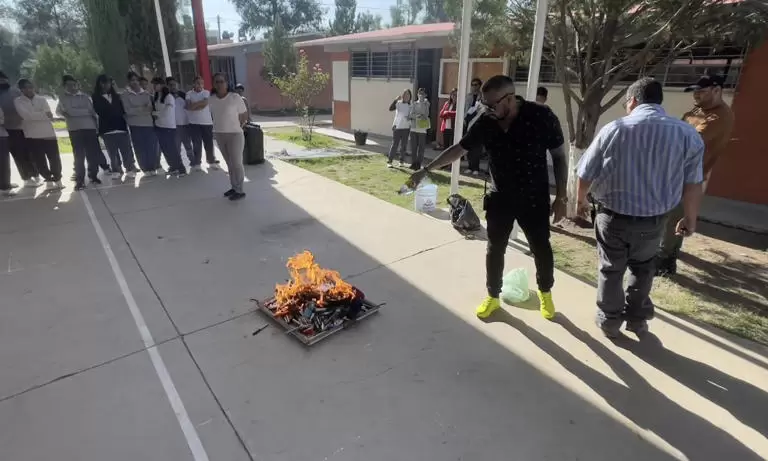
(230, 19)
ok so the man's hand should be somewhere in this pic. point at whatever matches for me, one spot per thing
(685, 227)
(559, 209)
(416, 178)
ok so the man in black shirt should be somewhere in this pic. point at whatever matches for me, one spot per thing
(516, 134)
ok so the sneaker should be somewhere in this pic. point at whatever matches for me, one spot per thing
(7, 193)
(173, 172)
(182, 174)
(50, 185)
(130, 174)
(38, 180)
(488, 307)
(546, 305)
(95, 181)
(13, 185)
(31, 183)
(59, 185)
(389, 165)
(196, 168)
(229, 193)
(214, 166)
(237, 196)
(79, 186)
(475, 173)
(104, 167)
(117, 174)
(160, 171)
(611, 327)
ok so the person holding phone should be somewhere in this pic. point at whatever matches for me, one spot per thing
(637, 169)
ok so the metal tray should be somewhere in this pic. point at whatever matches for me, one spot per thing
(368, 309)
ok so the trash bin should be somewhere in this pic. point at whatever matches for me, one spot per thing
(253, 153)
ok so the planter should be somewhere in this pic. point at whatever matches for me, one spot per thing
(361, 137)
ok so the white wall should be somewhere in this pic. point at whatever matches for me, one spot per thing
(370, 100)
(676, 103)
(340, 73)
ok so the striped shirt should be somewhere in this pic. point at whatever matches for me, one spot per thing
(639, 163)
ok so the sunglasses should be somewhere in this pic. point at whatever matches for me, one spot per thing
(493, 105)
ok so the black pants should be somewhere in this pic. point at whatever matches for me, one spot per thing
(85, 144)
(447, 138)
(22, 154)
(5, 164)
(46, 158)
(202, 137)
(501, 214)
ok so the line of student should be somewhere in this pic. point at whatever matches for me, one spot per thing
(149, 123)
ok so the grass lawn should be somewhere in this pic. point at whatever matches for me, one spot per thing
(711, 286)
(293, 135)
(59, 125)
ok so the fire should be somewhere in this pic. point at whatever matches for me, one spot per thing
(310, 282)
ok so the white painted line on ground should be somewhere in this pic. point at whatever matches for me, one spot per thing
(193, 439)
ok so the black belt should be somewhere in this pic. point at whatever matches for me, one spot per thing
(613, 214)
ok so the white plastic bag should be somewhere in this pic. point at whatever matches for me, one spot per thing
(514, 290)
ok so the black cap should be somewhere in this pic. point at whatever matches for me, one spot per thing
(239, 86)
(707, 81)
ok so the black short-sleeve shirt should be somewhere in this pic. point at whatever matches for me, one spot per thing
(518, 157)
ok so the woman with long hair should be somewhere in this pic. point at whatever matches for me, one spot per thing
(229, 116)
(112, 127)
(448, 119)
(165, 127)
(401, 126)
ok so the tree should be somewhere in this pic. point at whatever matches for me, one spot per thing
(279, 56)
(106, 29)
(596, 46)
(51, 62)
(434, 11)
(186, 32)
(142, 35)
(50, 22)
(295, 15)
(344, 18)
(13, 54)
(226, 35)
(301, 87)
(366, 22)
(405, 13)
(490, 26)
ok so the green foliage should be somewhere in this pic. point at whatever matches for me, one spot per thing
(279, 56)
(490, 26)
(295, 15)
(405, 12)
(348, 21)
(106, 28)
(50, 22)
(142, 35)
(301, 87)
(51, 62)
(13, 53)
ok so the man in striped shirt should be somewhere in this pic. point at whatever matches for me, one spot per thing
(638, 168)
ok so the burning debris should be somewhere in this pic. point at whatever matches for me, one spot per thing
(315, 302)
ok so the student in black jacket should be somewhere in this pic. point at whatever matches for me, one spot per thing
(112, 127)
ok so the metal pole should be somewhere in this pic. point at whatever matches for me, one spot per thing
(201, 43)
(163, 44)
(464, 63)
(537, 46)
(218, 22)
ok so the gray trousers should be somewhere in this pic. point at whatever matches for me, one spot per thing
(418, 144)
(672, 243)
(626, 243)
(399, 143)
(231, 146)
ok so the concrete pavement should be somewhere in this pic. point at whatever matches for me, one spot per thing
(80, 378)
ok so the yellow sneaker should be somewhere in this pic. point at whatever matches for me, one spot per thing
(488, 307)
(546, 305)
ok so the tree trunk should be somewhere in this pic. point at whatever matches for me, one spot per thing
(586, 125)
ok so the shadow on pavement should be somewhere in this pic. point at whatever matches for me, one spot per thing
(639, 401)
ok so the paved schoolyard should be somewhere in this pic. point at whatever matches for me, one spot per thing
(126, 333)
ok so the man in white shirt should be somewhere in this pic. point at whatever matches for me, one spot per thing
(200, 125)
(38, 129)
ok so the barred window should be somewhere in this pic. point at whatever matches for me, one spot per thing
(360, 64)
(401, 64)
(379, 64)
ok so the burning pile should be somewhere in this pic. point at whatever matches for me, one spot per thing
(314, 300)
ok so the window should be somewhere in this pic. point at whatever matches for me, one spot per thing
(401, 63)
(380, 64)
(360, 64)
(383, 64)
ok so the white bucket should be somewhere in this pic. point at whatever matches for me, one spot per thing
(425, 198)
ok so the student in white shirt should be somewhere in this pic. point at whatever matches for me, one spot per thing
(401, 126)
(165, 127)
(201, 124)
(229, 116)
(37, 124)
(182, 121)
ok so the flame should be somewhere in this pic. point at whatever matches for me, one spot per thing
(310, 282)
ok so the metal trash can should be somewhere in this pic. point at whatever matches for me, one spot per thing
(253, 153)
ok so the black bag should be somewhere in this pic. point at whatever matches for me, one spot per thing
(253, 152)
(463, 216)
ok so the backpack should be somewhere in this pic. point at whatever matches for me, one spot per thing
(463, 216)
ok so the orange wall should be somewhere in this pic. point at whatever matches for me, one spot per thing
(342, 115)
(740, 174)
(264, 97)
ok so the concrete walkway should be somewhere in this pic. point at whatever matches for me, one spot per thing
(126, 334)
